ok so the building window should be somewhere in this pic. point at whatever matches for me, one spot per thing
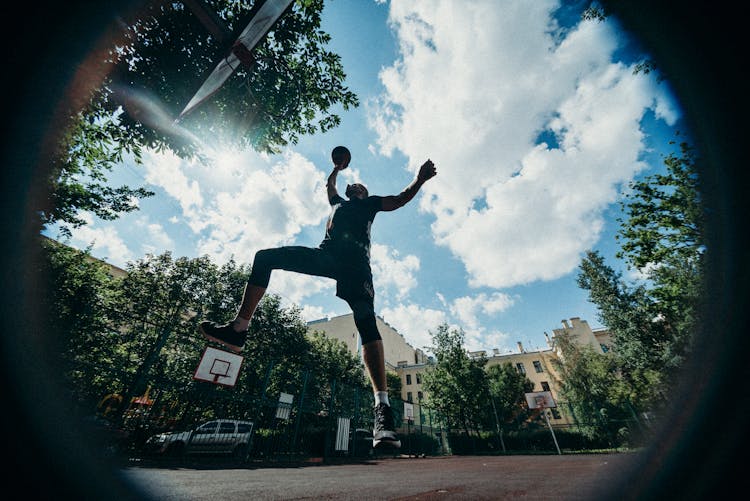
(408, 379)
(419, 378)
(545, 386)
(538, 366)
(520, 368)
(420, 396)
(408, 397)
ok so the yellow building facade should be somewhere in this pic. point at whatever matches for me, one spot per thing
(411, 364)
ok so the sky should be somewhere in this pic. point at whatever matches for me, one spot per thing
(536, 124)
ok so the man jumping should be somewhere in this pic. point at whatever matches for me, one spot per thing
(344, 255)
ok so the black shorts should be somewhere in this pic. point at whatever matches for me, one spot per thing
(353, 278)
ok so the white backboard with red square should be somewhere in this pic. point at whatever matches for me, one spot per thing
(540, 400)
(219, 367)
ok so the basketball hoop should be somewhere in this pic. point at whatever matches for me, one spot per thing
(543, 400)
(218, 367)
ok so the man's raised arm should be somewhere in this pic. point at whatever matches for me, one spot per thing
(340, 163)
(426, 171)
(331, 184)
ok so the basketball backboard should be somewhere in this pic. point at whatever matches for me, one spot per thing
(408, 411)
(540, 400)
(260, 24)
(218, 367)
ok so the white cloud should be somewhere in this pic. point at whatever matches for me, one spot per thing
(157, 241)
(467, 309)
(414, 322)
(106, 244)
(391, 271)
(269, 208)
(242, 202)
(167, 170)
(310, 313)
(295, 287)
(476, 84)
(482, 340)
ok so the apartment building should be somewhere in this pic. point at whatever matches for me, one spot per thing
(410, 364)
(398, 352)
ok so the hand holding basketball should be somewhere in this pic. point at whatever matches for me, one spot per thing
(341, 157)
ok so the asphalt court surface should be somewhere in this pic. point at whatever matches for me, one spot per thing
(566, 477)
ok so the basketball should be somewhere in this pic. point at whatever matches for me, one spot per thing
(341, 156)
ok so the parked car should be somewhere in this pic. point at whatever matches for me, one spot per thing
(221, 436)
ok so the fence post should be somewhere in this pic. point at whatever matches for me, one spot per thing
(327, 447)
(356, 422)
(299, 410)
(262, 399)
(497, 423)
(443, 437)
(635, 416)
(140, 379)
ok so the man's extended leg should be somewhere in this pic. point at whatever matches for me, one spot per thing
(250, 299)
(384, 431)
(374, 359)
(293, 258)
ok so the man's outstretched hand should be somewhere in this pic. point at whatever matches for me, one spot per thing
(427, 171)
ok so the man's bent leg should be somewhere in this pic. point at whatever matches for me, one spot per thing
(299, 259)
(291, 258)
(234, 334)
(250, 299)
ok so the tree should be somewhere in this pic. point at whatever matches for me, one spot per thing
(507, 388)
(592, 385)
(154, 64)
(663, 235)
(77, 178)
(457, 384)
(289, 90)
(338, 385)
(78, 298)
(330, 356)
(156, 310)
(124, 335)
(332, 361)
(395, 385)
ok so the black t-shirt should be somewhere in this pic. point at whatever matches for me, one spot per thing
(348, 229)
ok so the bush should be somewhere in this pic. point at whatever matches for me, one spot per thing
(419, 443)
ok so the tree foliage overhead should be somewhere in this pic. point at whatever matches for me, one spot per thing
(289, 90)
(151, 69)
(77, 178)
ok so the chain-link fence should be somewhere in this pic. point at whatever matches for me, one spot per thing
(291, 413)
